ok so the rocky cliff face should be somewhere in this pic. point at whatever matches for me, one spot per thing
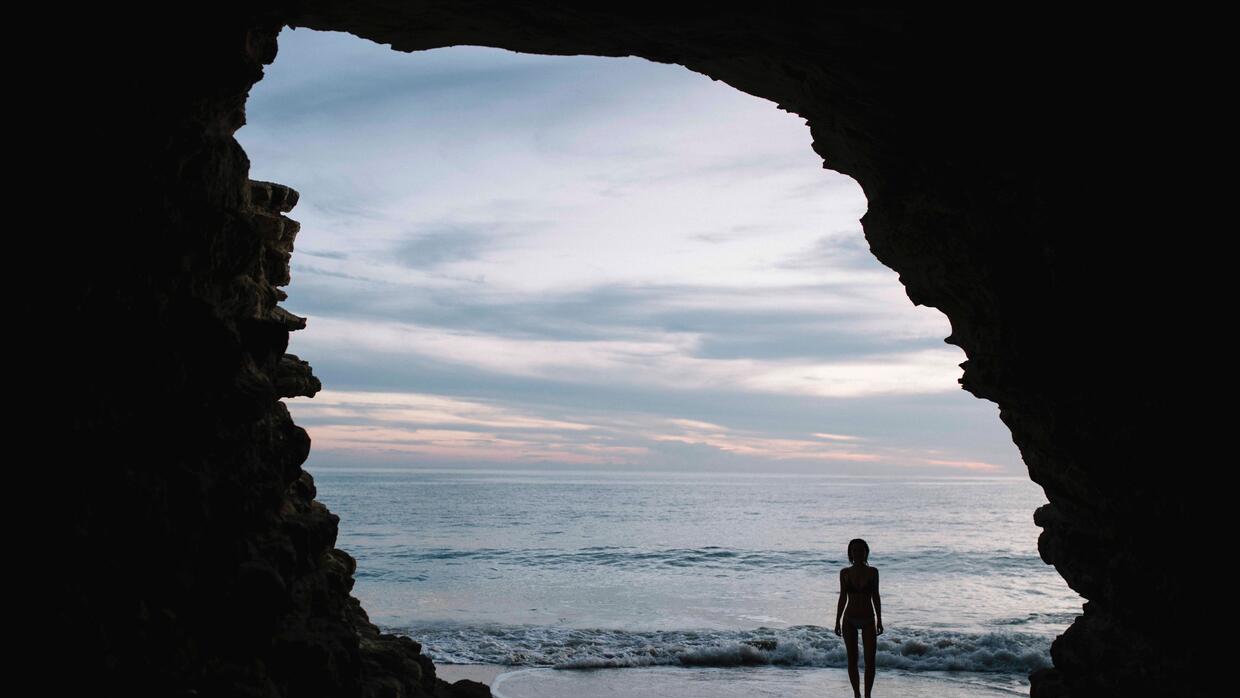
(195, 558)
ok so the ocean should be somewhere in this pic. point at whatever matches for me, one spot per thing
(712, 584)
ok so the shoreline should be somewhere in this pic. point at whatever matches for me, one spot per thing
(482, 673)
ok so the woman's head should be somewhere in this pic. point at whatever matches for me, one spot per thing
(858, 551)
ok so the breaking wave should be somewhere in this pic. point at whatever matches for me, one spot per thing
(803, 646)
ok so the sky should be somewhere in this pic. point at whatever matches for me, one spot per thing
(514, 260)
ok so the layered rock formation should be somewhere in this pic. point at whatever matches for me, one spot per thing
(195, 560)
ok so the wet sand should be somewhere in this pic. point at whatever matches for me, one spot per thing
(482, 673)
(738, 682)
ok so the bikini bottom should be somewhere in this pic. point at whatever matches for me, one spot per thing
(860, 624)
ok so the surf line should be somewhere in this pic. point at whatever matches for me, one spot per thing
(496, 693)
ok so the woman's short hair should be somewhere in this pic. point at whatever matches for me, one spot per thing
(858, 550)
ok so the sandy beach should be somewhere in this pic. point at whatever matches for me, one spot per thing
(711, 682)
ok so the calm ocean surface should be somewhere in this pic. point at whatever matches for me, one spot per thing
(725, 573)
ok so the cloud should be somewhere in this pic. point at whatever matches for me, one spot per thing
(448, 429)
(836, 437)
(666, 359)
(436, 247)
(970, 465)
(426, 410)
(840, 249)
(823, 321)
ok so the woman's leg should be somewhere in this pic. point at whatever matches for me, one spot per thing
(869, 637)
(850, 643)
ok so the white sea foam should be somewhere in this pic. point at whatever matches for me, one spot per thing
(805, 646)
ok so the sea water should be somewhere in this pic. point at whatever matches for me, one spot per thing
(713, 580)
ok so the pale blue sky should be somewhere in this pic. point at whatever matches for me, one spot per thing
(510, 259)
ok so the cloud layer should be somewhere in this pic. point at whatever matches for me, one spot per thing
(582, 261)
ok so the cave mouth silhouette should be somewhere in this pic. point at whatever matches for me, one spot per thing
(212, 567)
(270, 122)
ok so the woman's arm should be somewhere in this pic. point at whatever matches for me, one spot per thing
(839, 607)
(878, 604)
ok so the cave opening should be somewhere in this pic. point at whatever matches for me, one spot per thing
(996, 151)
(477, 393)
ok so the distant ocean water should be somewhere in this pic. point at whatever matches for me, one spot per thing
(623, 570)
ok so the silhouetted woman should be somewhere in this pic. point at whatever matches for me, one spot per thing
(859, 589)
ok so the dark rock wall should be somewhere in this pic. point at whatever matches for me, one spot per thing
(195, 559)
(190, 557)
